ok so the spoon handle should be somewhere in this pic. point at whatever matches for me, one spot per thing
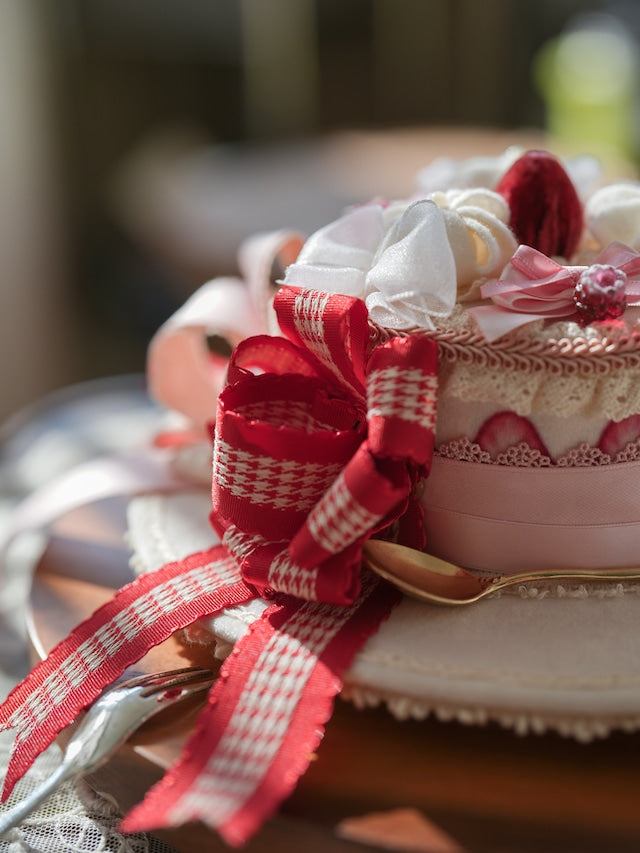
(429, 578)
(589, 575)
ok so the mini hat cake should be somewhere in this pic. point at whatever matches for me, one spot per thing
(457, 371)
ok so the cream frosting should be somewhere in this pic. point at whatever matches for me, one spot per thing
(420, 263)
(613, 213)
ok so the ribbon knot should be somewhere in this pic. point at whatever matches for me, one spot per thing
(322, 447)
(534, 287)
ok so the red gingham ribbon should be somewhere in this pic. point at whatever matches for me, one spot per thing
(321, 450)
(265, 716)
(140, 615)
(311, 457)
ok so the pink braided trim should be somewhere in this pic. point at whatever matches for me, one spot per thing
(577, 355)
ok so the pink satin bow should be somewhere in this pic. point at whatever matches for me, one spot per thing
(534, 287)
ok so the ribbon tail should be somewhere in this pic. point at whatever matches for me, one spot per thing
(402, 394)
(141, 615)
(120, 474)
(265, 717)
(495, 322)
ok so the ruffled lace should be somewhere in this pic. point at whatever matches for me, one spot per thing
(521, 455)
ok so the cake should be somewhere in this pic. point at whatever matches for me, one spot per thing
(538, 394)
(538, 411)
(536, 427)
(457, 371)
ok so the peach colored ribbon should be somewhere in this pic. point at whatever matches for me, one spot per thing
(233, 308)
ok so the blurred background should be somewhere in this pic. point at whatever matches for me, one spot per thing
(140, 142)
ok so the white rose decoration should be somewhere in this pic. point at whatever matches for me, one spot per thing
(477, 229)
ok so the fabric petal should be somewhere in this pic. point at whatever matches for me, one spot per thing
(414, 275)
(336, 258)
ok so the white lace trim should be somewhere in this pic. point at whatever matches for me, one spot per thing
(560, 369)
(533, 390)
(522, 722)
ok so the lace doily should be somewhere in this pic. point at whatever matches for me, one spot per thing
(74, 820)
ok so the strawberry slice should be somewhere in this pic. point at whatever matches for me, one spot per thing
(617, 434)
(506, 429)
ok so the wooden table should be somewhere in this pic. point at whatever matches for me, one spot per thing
(486, 788)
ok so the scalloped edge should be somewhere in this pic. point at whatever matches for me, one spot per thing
(402, 708)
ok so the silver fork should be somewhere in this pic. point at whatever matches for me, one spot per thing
(112, 718)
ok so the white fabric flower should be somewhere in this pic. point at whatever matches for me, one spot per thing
(477, 229)
(413, 277)
(409, 261)
(398, 259)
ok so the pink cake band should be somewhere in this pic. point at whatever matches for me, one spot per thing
(509, 519)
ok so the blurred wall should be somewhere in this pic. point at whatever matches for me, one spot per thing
(35, 351)
(87, 86)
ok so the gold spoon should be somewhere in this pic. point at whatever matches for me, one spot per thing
(431, 579)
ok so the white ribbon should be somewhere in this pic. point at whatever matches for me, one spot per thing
(413, 277)
(398, 259)
(409, 261)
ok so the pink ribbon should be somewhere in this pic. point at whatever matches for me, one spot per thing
(534, 287)
(478, 515)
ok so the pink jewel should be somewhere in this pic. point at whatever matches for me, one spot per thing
(600, 293)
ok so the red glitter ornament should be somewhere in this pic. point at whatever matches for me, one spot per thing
(600, 293)
(546, 212)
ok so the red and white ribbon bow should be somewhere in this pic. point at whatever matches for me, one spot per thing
(312, 455)
(322, 449)
(534, 287)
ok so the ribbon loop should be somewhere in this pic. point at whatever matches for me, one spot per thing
(308, 465)
(279, 443)
(332, 327)
(182, 373)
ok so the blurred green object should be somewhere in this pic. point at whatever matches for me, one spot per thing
(588, 78)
